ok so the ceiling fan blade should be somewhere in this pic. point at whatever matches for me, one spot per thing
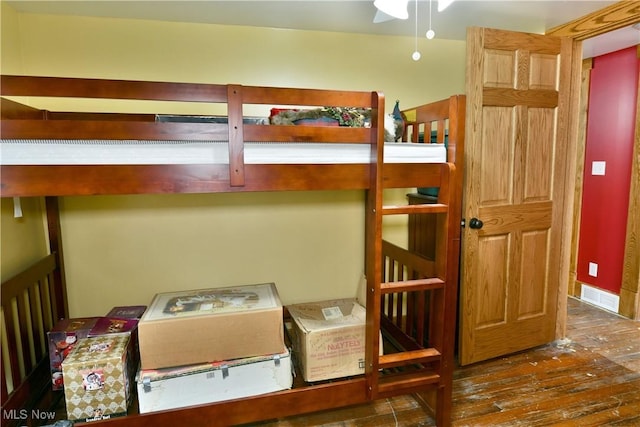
(382, 17)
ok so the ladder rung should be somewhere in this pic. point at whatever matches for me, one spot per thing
(406, 382)
(412, 285)
(423, 355)
(414, 209)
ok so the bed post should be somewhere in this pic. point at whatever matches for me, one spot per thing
(60, 310)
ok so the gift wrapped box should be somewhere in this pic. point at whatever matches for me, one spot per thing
(98, 378)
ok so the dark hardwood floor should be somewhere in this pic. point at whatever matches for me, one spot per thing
(592, 378)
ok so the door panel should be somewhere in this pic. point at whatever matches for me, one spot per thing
(514, 149)
(532, 298)
(492, 280)
(497, 156)
(539, 154)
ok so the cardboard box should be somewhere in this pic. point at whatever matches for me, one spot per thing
(98, 378)
(62, 338)
(171, 388)
(328, 338)
(200, 326)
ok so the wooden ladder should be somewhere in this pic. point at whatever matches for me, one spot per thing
(422, 359)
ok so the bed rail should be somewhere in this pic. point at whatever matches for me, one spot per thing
(444, 118)
(30, 307)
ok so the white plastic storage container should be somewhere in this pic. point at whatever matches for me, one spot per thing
(170, 388)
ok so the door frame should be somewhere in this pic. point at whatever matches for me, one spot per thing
(616, 16)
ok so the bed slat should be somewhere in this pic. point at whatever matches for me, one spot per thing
(113, 130)
(3, 384)
(23, 332)
(12, 340)
(37, 329)
(111, 89)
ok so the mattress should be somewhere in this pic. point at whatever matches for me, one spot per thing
(100, 152)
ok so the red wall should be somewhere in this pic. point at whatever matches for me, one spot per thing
(610, 135)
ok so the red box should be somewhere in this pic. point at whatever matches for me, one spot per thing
(127, 311)
(113, 325)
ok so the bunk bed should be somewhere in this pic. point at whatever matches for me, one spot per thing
(410, 298)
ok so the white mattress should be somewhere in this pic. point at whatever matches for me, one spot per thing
(90, 152)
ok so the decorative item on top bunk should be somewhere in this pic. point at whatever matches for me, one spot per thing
(398, 121)
(339, 116)
(325, 116)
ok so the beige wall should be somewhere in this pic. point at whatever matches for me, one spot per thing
(22, 242)
(22, 238)
(121, 250)
(10, 57)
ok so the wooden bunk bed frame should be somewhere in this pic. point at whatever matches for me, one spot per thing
(410, 298)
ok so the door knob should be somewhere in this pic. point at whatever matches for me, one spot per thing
(475, 223)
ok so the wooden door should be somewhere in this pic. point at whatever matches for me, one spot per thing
(518, 96)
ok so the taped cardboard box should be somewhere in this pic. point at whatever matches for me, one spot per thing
(98, 378)
(328, 338)
(200, 326)
(170, 388)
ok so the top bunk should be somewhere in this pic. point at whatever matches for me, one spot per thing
(71, 136)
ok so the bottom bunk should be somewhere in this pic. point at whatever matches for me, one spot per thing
(30, 307)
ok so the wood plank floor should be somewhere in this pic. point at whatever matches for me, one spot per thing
(592, 378)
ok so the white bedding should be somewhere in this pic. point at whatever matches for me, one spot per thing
(50, 152)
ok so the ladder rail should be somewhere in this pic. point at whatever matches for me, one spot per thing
(373, 246)
(402, 282)
(412, 296)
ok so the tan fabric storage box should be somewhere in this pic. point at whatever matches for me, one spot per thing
(98, 378)
(328, 338)
(207, 325)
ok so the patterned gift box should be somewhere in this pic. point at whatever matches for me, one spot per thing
(98, 378)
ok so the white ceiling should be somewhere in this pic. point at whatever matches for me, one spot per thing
(351, 16)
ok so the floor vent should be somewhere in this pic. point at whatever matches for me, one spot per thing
(601, 298)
